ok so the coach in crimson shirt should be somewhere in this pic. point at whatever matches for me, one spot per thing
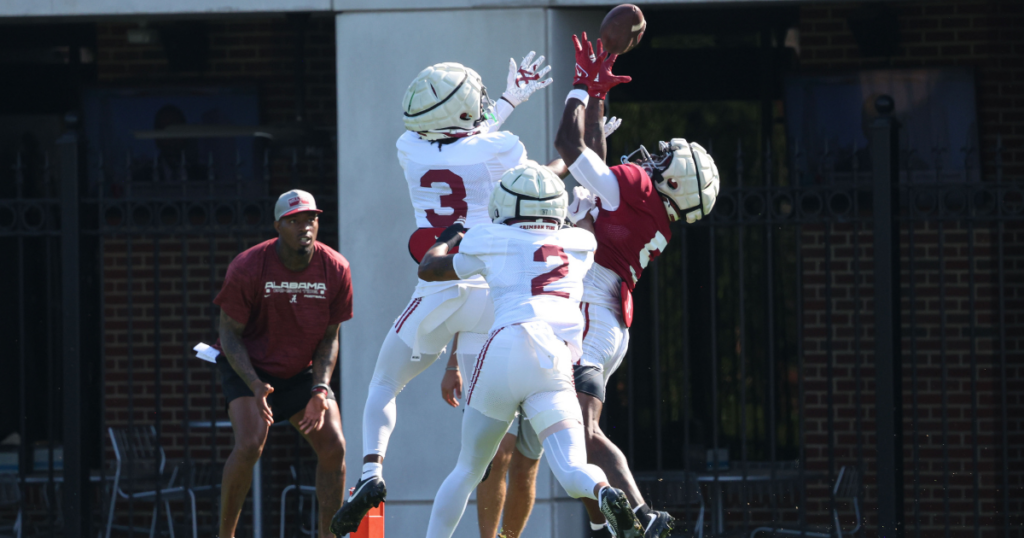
(281, 305)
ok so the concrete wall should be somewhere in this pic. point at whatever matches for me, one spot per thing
(378, 55)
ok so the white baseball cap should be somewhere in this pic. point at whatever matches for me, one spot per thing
(294, 201)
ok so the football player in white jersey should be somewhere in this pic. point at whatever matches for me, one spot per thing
(453, 155)
(535, 268)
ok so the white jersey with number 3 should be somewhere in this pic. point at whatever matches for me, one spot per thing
(534, 275)
(454, 181)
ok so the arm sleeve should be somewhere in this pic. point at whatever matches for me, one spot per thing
(341, 306)
(502, 110)
(236, 297)
(467, 265)
(595, 175)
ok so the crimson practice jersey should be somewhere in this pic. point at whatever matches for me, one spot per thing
(637, 231)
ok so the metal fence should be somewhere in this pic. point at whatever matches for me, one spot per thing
(112, 280)
(830, 336)
(862, 327)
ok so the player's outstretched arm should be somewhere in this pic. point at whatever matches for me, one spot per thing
(437, 265)
(569, 140)
(558, 167)
(593, 131)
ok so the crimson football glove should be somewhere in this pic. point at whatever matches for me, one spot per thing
(594, 68)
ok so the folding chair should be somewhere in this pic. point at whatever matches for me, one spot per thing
(846, 488)
(10, 495)
(305, 482)
(141, 475)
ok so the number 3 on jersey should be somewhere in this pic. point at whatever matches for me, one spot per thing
(538, 282)
(456, 201)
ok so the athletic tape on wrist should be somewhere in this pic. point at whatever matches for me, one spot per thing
(582, 95)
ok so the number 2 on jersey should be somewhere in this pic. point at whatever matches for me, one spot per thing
(538, 282)
(456, 201)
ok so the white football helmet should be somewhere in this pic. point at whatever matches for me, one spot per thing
(689, 179)
(446, 100)
(529, 190)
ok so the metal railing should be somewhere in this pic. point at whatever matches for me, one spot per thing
(111, 300)
(808, 324)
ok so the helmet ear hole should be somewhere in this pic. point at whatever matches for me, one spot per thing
(464, 116)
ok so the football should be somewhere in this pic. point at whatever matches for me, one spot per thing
(622, 28)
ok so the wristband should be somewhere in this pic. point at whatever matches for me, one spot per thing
(582, 95)
(450, 235)
(451, 368)
(325, 387)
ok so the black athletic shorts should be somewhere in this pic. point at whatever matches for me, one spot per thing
(289, 397)
(589, 380)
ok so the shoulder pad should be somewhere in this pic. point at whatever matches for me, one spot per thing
(483, 239)
(498, 141)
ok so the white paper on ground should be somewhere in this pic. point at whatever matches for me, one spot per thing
(206, 353)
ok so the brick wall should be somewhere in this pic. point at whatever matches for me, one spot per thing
(989, 37)
(173, 291)
(986, 35)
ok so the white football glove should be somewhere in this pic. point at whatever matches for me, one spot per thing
(610, 124)
(525, 79)
(583, 203)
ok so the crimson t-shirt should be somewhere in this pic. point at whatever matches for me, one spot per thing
(637, 231)
(285, 312)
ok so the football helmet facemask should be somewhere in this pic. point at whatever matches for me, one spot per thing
(686, 176)
(445, 100)
(529, 190)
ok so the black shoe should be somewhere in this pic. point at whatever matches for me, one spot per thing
(604, 532)
(369, 493)
(620, 516)
(660, 525)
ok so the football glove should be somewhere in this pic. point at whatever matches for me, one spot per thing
(594, 68)
(610, 124)
(583, 203)
(525, 79)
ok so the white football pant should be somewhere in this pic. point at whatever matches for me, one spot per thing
(605, 339)
(481, 435)
(416, 339)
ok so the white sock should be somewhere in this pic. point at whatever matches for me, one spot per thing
(372, 469)
(597, 526)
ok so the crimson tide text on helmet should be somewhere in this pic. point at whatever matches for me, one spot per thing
(446, 100)
(529, 190)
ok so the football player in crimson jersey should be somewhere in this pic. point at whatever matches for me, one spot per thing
(453, 154)
(535, 268)
(634, 206)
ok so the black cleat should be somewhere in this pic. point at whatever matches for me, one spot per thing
(369, 493)
(603, 532)
(620, 516)
(660, 525)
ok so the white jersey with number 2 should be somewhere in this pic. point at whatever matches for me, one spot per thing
(535, 275)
